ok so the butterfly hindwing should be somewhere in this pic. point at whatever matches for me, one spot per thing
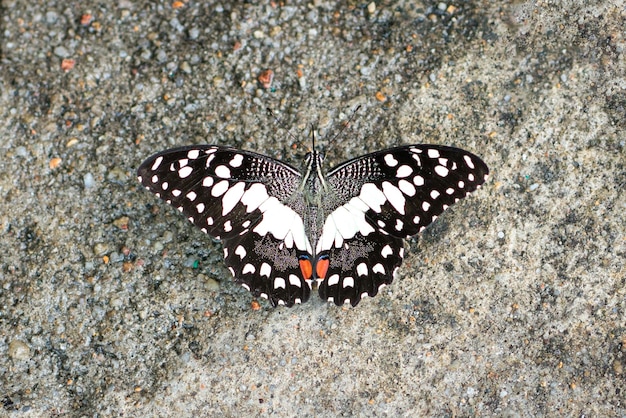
(238, 197)
(389, 195)
(361, 266)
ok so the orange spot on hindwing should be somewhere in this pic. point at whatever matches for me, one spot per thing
(321, 266)
(305, 266)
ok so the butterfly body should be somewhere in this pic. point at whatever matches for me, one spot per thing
(286, 232)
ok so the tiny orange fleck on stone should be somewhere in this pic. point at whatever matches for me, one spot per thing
(105, 259)
(177, 4)
(380, 96)
(265, 78)
(255, 305)
(67, 64)
(86, 19)
(54, 163)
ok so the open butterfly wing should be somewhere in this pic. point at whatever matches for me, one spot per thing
(238, 197)
(389, 195)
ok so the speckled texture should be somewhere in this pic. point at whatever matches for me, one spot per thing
(511, 304)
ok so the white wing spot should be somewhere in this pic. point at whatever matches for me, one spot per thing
(248, 268)
(416, 220)
(241, 252)
(434, 194)
(417, 159)
(361, 269)
(441, 170)
(378, 268)
(279, 282)
(222, 171)
(246, 224)
(232, 197)
(191, 196)
(157, 163)
(449, 190)
(372, 196)
(418, 181)
(404, 171)
(208, 181)
(390, 160)
(386, 251)
(425, 206)
(399, 225)
(395, 196)
(407, 188)
(333, 280)
(266, 270)
(245, 286)
(209, 220)
(176, 192)
(254, 196)
(433, 153)
(236, 161)
(468, 161)
(200, 207)
(443, 161)
(219, 189)
(232, 271)
(381, 223)
(348, 282)
(470, 177)
(294, 280)
(193, 154)
(155, 179)
(209, 160)
(461, 184)
(183, 162)
(190, 219)
(228, 226)
(445, 207)
(165, 185)
(185, 172)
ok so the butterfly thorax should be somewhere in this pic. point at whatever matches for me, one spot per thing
(314, 190)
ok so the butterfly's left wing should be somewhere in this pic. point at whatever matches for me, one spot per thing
(242, 198)
(389, 195)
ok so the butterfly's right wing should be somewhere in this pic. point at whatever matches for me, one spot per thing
(389, 195)
(238, 197)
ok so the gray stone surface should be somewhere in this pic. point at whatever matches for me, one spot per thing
(511, 304)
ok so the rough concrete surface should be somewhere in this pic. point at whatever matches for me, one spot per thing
(511, 304)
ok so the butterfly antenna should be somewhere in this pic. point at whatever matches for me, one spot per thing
(312, 137)
(343, 128)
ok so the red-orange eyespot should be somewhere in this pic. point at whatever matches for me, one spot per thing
(306, 268)
(321, 267)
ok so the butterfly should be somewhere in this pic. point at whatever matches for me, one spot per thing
(286, 232)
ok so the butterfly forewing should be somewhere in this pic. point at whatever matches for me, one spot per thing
(389, 195)
(238, 197)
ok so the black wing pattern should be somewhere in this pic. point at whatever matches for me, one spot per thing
(383, 198)
(239, 197)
